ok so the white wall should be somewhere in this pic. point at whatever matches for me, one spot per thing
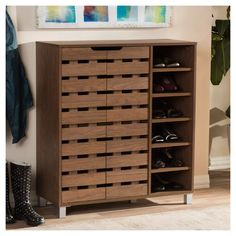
(188, 23)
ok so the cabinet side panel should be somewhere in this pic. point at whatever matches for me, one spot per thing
(48, 120)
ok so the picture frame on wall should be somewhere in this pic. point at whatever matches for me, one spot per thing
(103, 16)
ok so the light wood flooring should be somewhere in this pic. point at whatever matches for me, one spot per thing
(217, 197)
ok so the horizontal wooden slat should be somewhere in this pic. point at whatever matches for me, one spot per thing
(119, 130)
(83, 164)
(83, 179)
(127, 99)
(128, 52)
(83, 85)
(127, 145)
(82, 54)
(170, 144)
(69, 149)
(83, 132)
(91, 100)
(126, 175)
(127, 114)
(135, 67)
(82, 117)
(126, 191)
(83, 195)
(127, 83)
(127, 160)
(83, 69)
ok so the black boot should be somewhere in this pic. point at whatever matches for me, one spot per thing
(21, 181)
(9, 217)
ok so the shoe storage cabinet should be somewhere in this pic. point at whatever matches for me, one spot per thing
(94, 120)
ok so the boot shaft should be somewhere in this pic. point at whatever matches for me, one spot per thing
(21, 182)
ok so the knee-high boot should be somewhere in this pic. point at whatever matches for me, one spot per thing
(21, 186)
(9, 217)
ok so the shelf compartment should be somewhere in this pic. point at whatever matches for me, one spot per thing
(165, 145)
(178, 69)
(179, 94)
(167, 120)
(167, 193)
(169, 169)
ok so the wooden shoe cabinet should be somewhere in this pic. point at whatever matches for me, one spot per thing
(94, 119)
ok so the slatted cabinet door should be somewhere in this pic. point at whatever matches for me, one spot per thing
(83, 125)
(127, 117)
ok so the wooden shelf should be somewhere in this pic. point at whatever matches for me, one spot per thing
(172, 144)
(169, 169)
(166, 193)
(177, 69)
(167, 120)
(179, 94)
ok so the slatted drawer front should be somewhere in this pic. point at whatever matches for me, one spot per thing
(104, 122)
(83, 120)
(127, 116)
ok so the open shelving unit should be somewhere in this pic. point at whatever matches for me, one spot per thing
(183, 100)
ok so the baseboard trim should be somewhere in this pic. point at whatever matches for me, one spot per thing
(201, 181)
(219, 163)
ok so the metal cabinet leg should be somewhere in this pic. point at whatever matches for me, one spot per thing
(188, 198)
(62, 212)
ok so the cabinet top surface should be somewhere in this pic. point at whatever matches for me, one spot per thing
(120, 42)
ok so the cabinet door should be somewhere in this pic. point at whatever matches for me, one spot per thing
(127, 147)
(83, 130)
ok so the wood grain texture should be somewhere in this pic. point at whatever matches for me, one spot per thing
(127, 99)
(126, 175)
(118, 68)
(83, 195)
(70, 149)
(126, 191)
(127, 114)
(83, 164)
(83, 117)
(77, 53)
(84, 69)
(127, 83)
(127, 145)
(126, 160)
(83, 132)
(83, 85)
(91, 100)
(119, 130)
(48, 122)
(83, 179)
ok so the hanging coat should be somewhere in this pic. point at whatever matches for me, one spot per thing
(18, 94)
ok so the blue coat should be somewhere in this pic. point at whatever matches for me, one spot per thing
(18, 94)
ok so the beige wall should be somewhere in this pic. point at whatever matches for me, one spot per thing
(219, 101)
(188, 23)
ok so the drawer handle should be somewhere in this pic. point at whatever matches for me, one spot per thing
(115, 48)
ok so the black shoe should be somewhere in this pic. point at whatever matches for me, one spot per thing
(170, 160)
(168, 185)
(9, 216)
(21, 184)
(158, 138)
(169, 134)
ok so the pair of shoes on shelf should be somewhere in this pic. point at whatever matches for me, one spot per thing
(166, 62)
(164, 134)
(165, 110)
(165, 84)
(164, 158)
(159, 184)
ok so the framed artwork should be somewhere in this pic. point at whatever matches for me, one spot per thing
(103, 16)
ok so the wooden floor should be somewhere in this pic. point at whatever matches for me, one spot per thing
(217, 196)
